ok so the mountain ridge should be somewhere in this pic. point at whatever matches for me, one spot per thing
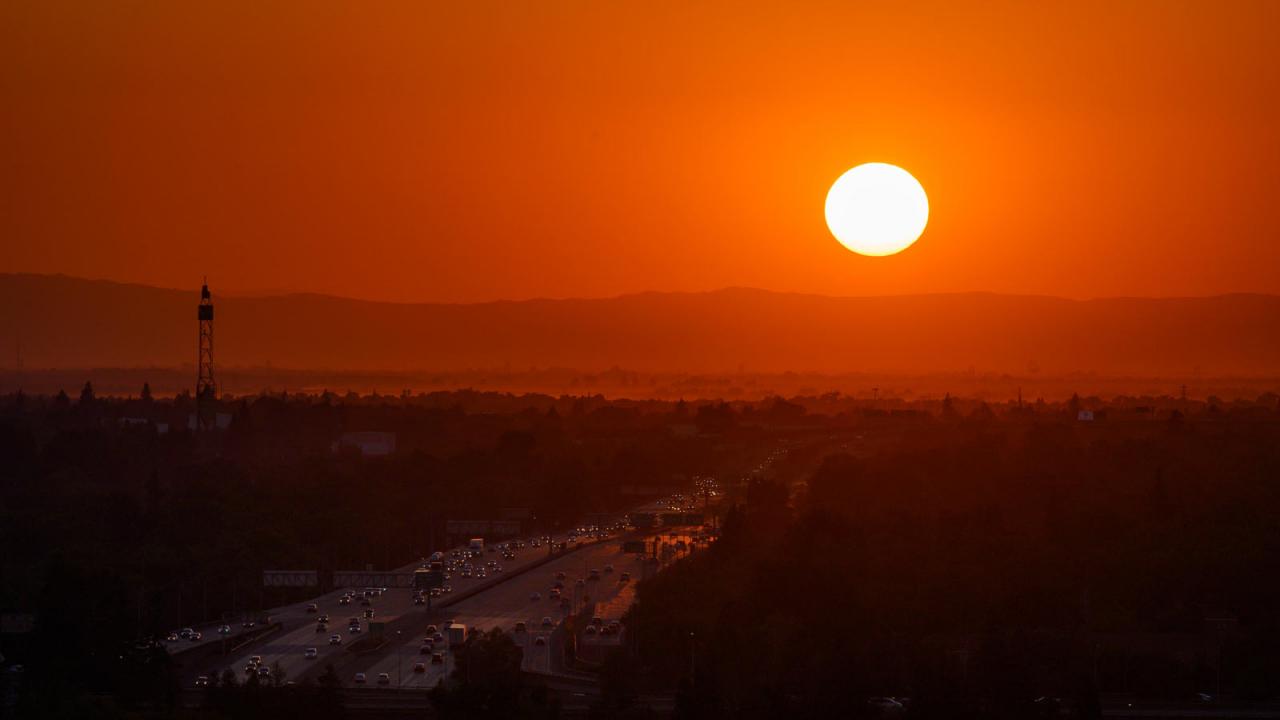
(103, 323)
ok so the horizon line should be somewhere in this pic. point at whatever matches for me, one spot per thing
(264, 295)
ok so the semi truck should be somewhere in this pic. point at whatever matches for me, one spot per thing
(457, 635)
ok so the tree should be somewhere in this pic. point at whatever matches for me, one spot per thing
(487, 682)
(618, 686)
(86, 394)
(146, 392)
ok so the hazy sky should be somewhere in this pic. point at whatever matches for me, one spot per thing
(471, 151)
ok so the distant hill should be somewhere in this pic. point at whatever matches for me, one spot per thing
(68, 322)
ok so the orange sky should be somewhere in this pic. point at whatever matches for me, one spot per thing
(471, 151)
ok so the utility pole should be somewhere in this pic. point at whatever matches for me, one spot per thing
(206, 387)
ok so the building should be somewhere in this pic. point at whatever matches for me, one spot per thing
(370, 444)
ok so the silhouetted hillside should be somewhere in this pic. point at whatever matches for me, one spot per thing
(69, 322)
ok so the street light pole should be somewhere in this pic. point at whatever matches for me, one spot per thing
(399, 682)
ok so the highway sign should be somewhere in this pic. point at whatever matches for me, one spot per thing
(290, 578)
(363, 579)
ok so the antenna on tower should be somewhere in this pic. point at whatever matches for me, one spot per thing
(206, 387)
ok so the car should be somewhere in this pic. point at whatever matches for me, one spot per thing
(310, 654)
(593, 574)
(202, 681)
(435, 592)
(608, 569)
(384, 678)
(224, 630)
(358, 679)
(323, 618)
(624, 577)
(432, 629)
(247, 624)
(313, 608)
(597, 621)
(540, 640)
(437, 658)
(256, 659)
(185, 633)
(368, 614)
(438, 637)
(353, 629)
(250, 669)
(173, 637)
(264, 671)
(520, 626)
(547, 622)
(335, 639)
(427, 648)
(578, 583)
(447, 588)
(591, 630)
(559, 585)
(885, 704)
(497, 568)
(419, 667)
(419, 601)
(344, 600)
(195, 637)
(535, 597)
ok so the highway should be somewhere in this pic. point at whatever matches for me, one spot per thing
(512, 602)
(288, 645)
(500, 600)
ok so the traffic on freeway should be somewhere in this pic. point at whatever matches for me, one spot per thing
(530, 607)
(317, 630)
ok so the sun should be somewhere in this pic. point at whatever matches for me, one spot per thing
(877, 209)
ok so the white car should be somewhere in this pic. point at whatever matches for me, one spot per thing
(384, 679)
(335, 639)
(310, 654)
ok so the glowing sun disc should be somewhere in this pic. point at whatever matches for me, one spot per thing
(877, 209)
